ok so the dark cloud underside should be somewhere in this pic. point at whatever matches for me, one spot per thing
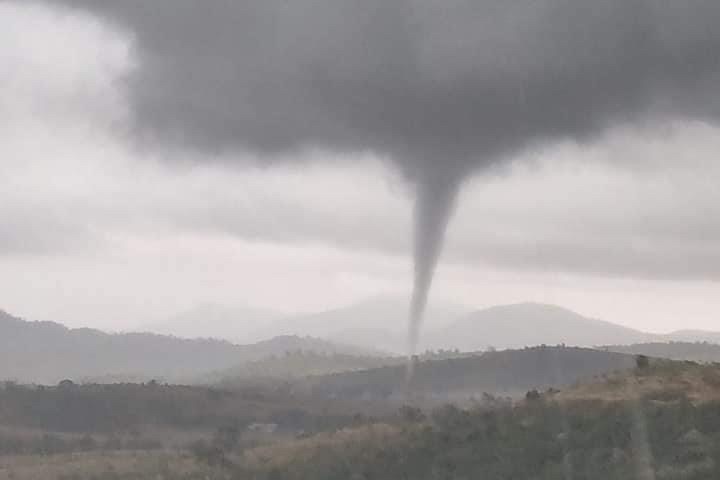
(440, 86)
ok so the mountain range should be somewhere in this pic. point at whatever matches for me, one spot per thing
(377, 323)
(380, 324)
(46, 352)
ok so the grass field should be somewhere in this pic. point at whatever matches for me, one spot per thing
(106, 466)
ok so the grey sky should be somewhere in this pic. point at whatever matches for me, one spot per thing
(98, 231)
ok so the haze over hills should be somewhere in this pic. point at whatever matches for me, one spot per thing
(527, 324)
(232, 323)
(691, 336)
(46, 352)
(377, 323)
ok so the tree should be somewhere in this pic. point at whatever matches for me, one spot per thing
(411, 414)
(66, 384)
(642, 362)
(532, 395)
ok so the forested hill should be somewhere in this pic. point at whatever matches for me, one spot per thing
(298, 365)
(696, 351)
(670, 431)
(508, 372)
(46, 352)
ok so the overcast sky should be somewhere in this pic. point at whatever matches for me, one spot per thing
(98, 231)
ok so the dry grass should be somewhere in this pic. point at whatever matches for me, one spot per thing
(662, 381)
(303, 450)
(110, 465)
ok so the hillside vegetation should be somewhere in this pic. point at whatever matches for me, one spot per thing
(507, 372)
(84, 417)
(296, 365)
(661, 433)
(659, 419)
(661, 379)
(695, 351)
(124, 408)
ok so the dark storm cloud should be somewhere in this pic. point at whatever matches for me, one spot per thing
(443, 87)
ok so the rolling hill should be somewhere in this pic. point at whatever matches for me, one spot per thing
(528, 324)
(46, 352)
(297, 365)
(693, 351)
(654, 423)
(508, 372)
(379, 325)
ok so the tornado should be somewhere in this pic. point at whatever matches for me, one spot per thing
(434, 205)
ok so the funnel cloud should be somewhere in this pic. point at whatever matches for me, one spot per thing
(442, 89)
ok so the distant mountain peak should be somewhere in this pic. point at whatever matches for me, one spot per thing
(377, 322)
(533, 307)
(531, 323)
